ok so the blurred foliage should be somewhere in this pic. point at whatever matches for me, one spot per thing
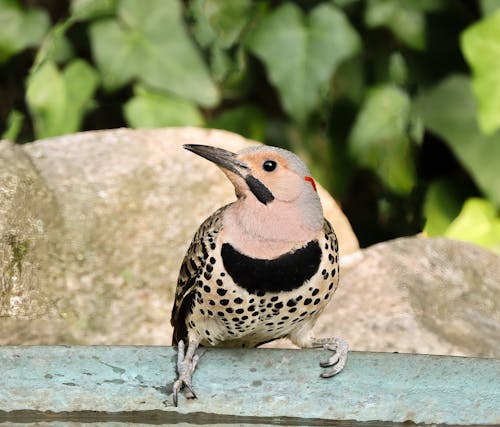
(20, 28)
(57, 99)
(394, 104)
(477, 222)
(481, 47)
(302, 52)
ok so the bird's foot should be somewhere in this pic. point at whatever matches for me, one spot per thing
(186, 364)
(338, 360)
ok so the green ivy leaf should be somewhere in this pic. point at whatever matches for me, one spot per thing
(481, 47)
(58, 101)
(149, 109)
(221, 63)
(398, 69)
(14, 125)
(82, 10)
(46, 99)
(442, 205)
(301, 53)
(201, 29)
(404, 18)
(229, 18)
(220, 22)
(20, 28)
(479, 223)
(449, 111)
(81, 81)
(150, 44)
(55, 47)
(489, 6)
(379, 138)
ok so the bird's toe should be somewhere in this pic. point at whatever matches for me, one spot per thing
(331, 361)
(334, 371)
(339, 358)
(179, 384)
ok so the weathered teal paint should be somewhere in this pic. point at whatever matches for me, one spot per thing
(260, 383)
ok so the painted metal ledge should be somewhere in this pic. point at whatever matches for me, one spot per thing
(265, 386)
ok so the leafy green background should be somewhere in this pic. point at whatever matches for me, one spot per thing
(394, 104)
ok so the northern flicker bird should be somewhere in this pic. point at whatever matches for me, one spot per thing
(260, 268)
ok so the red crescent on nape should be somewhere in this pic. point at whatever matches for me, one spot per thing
(311, 180)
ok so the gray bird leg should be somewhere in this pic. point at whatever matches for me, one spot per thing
(186, 364)
(338, 360)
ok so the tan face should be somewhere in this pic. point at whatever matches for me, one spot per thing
(278, 174)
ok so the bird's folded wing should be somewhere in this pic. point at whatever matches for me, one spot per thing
(201, 249)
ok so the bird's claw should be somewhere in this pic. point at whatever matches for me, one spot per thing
(191, 394)
(338, 360)
(333, 360)
(178, 385)
(186, 364)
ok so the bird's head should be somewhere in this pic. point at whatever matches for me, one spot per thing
(278, 207)
(268, 174)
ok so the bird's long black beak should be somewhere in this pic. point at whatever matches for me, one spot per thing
(223, 158)
(227, 160)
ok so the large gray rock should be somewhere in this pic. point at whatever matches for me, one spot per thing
(94, 227)
(29, 236)
(419, 295)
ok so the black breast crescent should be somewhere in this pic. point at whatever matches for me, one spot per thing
(285, 273)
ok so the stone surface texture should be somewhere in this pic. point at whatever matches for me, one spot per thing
(418, 295)
(129, 386)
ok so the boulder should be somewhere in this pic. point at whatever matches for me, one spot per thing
(29, 237)
(418, 295)
(94, 227)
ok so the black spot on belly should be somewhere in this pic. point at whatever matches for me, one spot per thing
(288, 271)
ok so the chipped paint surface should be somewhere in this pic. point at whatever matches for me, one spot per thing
(251, 383)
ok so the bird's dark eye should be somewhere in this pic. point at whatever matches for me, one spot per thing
(269, 165)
